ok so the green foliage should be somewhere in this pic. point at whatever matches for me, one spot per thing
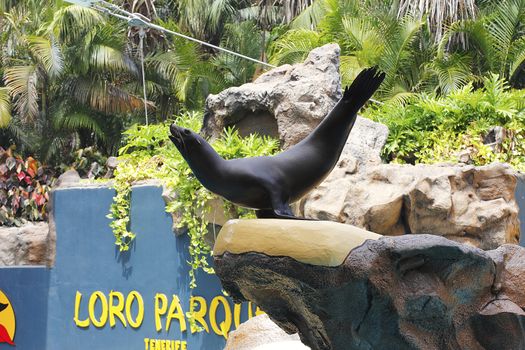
(24, 189)
(149, 154)
(429, 129)
(423, 47)
(89, 162)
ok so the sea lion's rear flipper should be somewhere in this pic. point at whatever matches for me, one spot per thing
(363, 87)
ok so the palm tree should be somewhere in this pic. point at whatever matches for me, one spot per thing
(66, 74)
(439, 14)
(496, 42)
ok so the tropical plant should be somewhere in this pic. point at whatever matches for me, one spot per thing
(67, 75)
(439, 14)
(429, 129)
(495, 40)
(24, 189)
(148, 154)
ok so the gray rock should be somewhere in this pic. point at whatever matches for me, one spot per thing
(112, 162)
(287, 102)
(68, 178)
(410, 292)
(25, 245)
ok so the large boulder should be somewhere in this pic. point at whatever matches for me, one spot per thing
(406, 292)
(474, 205)
(285, 102)
(288, 102)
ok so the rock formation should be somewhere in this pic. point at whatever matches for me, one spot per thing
(408, 292)
(474, 205)
(288, 101)
(25, 245)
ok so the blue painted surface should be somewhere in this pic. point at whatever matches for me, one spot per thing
(87, 261)
(27, 290)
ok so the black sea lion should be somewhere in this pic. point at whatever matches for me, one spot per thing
(269, 184)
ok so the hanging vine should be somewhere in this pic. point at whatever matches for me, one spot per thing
(149, 154)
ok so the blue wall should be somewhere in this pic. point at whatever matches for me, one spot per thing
(87, 261)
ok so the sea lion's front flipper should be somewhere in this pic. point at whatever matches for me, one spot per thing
(283, 212)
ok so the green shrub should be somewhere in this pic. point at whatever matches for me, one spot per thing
(24, 189)
(429, 129)
(149, 154)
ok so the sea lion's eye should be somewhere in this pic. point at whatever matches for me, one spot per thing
(186, 132)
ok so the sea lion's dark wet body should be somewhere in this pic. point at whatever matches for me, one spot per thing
(269, 184)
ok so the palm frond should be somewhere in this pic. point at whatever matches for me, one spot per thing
(310, 17)
(294, 46)
(22, 83)
(108, 58)
(74, 121)
(364, 39)
(70, 23)
(5, 107)
(102, 96)
(518, 56)
(503, 28)
(48, 53)
(438, 13)
(453, 72)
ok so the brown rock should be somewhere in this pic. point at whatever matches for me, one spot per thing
(25, 245)
(474, 205)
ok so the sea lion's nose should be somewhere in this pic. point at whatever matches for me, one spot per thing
(174, 129)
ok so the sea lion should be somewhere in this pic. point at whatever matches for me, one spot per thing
(269, 184)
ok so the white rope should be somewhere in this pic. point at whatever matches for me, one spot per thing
(142, 34)
(137, 20)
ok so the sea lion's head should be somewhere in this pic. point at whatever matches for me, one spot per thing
(184, 139)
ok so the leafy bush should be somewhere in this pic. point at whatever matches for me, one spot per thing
(428, 129)
(149, 154)
(89, 162)
(24, 189)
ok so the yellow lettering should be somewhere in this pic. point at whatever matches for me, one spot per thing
(116, 310)
(79, 323)
(146, 342)
(183, 347)
(237, 315)
(198, 316)
(258, 311)
(250, 310)
(225, 326)
(161, 306)
(176, 312)
(177, 345)
(152, 344)
(104, 309)
(132, 296)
